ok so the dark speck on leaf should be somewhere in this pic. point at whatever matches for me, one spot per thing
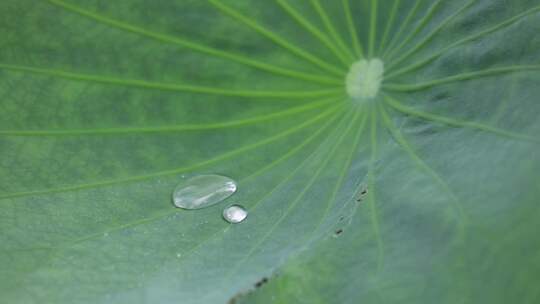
(261, 282)
(362, 194)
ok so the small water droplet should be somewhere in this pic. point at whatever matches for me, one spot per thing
(203, 191)
(234, 214)
(178, 255)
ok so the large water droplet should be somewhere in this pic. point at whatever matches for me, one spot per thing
(203, 191)
(234, 214)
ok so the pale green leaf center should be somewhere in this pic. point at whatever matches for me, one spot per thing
(364, 78)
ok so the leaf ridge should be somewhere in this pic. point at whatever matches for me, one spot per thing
(372, 26)
(357, 46)
(403, 26)
(168, 212)
(459, 77)
(239, 58)
(371, 193)
(233, 13)
(456, 122)
(310, 28)
(292, 205)
(422, 23)
(430, 35)
(421, 63)
(144, 84)
(173, 128)
(389, 24)
(330, 28)
(460, 211)
(287, 178)
(179, 170)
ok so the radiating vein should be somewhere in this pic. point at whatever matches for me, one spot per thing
(284, 180)
(217, 159)
(261, 199)
(233, 13)
(354, 148)
(171, 211)
(372, 26)
(352, 29)
(389, 24)
(293, 204)
(423, 62)
(238, 58)
(398, 106)
(315, 32)
(330, 122)
(402, 27)
(396, 134)
(331, 202)
(330, 28)
(144, 84)
(421, 24)
(430, 36)
(371, 192)
(173, 128)
(459, 77)
(503, 105)
(351, 200)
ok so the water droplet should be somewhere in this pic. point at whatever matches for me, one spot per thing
(203, 191)
(234, 214)
(178, 255)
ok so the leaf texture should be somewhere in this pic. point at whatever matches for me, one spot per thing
(427, 193)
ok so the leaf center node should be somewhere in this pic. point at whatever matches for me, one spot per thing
(364, 78)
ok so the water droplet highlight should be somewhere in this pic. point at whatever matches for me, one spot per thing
(202, 191)
(234, 214)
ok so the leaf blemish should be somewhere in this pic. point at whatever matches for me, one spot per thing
(362, 192)
(261, 282)
(338, 232)
(239, 295)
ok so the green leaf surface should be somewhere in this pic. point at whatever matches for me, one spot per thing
(427, 193)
